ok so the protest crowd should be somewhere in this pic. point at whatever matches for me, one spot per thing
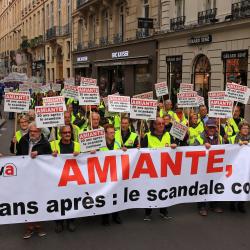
(75, 120)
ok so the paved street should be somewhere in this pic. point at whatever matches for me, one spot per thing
(187, 230)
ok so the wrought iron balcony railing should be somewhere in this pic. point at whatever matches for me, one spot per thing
(177, 23)
(118, 38)
(241, 9)
(207, 16)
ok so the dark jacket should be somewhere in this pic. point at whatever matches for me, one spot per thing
(42, 147)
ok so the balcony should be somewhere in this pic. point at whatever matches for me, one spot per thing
(207, 16)
(91, 44)
(241, 9)
(142, 33)
(80, 3)
(57, 31)
(80, 46)
(103, 41)
(118, 38)
(177, 23)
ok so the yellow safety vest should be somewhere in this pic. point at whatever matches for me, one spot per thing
(154, 142)
(232, 123)
(56, 147)
(184, 121)
(117, 146)
(19, 135)
(201, 140)
(76, 132)
(130, 141)
(195, 132)
(117, 122)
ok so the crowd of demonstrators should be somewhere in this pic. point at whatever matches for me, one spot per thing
(123, 133)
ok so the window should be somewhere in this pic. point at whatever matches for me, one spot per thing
(51, 14)
(69, 11)
(48, 14)
(48, 54)
(105, 21)
(80, 31)
(53, 74)
(68, 72)
(121, 21)
(48, 74)
(145, 8)
(92, 28)
(68, 50)
(59, 14)
(210, 4)
(142, 79)
(180, 7)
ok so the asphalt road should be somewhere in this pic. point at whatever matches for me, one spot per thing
(186, 231)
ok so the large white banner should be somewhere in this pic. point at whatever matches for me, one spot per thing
(52, 188)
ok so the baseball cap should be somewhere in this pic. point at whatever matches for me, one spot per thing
(211, 123)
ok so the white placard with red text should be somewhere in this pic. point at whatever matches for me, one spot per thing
(186, 87)
(88, 95)
(45, 88)
(217, 95)
(16, 102)
(92, 140)
(220, 108)
(88, 81)
(178, 130)
(161, 89)
(200, 101)
(143, 109)
(55, 101)
(147, 95)
(69, 81)
(187, 99)
(237, 92)
(118, 104)
(57, 87)
(47, 117)
(70, 91)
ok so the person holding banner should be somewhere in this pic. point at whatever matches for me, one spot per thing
(65, 145)
(208, 138)
(23, 122)
(158, 137)
(111, 144)
(242, 138)
(33, 144)
(125, 136)
(195, 128)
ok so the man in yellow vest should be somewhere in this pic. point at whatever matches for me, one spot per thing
(169, 107)
(158, 138)
(242, 138)
(234, 122)
(65, 146)
(95, 122)
(208, 138)
(125, 136)
(81, 118)
(203, 116)
(195, 128)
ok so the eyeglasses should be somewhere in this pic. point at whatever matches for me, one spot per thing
(34, 131)
(160, 123)
(66, 132)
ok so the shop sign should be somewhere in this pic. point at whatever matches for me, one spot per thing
(200, 40)
(82, 59)
(170, 59)
(120, 54)
(236, 54)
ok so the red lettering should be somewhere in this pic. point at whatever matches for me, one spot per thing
(195, 155)
(174, 166)
(95, 167)
(125, 167)
(150, 168)
(9, 170)
(212, 160)
(66, 177)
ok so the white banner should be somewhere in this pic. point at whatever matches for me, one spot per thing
(178, 130)
(92, 140)
(186, 87)
(143, 109)
(88, 81)
(217, 95)
(161, 89)
(70, 91)
(55, 101)
(16, 102)
(187, 99)
(220, 108)
(88, 95)
(47, 117)
(54, 188)
(237, 92)
(118, 104)
(147, 95)
(57, 87)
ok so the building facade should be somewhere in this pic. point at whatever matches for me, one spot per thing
(207, 45)
(113, 42)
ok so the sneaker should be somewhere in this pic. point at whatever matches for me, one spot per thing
(218, 210)
(40, 232)
(28, 234)
(203, 212)
(147, 218)
(165, 216)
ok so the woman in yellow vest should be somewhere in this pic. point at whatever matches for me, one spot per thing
(195, 128)
(65, 146)
(23, 123)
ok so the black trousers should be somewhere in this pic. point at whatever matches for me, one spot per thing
(105, 217)
(163, 210)
(205, 205)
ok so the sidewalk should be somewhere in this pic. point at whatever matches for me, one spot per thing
(2, 121)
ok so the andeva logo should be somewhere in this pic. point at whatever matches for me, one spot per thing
(8, 170)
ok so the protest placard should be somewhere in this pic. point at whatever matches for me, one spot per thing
(217, 95)
(200, 100)
(54, 101)
(47, 117)
(118, 104)
(88, 81)
(45, 88)
(237, 92)
(88, 95)
(186, 87)
(36, 87)
(220, 108)
(57, 87)
(69, 81)
(187, 99)
(161, 89)
(144, 109)
(16, 102)
(92, 140)
(178, 130)
(147, 95)
(70, 91)
(25, 86)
